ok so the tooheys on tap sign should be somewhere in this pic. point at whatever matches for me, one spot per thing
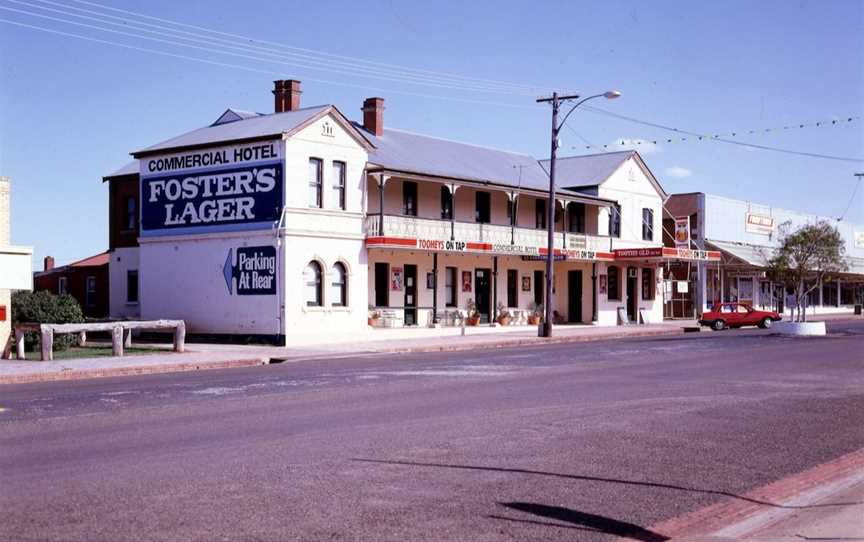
(221, 188)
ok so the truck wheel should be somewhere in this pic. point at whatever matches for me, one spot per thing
(718, 325)
(766, 323)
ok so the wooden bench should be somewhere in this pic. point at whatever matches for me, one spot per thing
(121, 334)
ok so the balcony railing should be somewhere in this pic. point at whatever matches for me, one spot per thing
(427, 228)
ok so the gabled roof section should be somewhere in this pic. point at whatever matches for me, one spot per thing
(587, 170)
(97, 260)
(407, 152)
(253, 128)
(577, 172)
(233, 115)
(131, 168)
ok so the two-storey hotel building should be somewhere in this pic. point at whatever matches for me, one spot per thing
(303, 222)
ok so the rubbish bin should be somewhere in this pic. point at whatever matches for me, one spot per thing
(858, 310)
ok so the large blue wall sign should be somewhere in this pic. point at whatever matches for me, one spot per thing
(230, 197)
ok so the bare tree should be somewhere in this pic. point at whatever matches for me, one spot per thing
(807, 258)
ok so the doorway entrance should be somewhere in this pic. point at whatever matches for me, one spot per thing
(632, 301)
(410, 295)
(574, 296)
(482, 281)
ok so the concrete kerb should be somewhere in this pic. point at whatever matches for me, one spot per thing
(72, 374)
(482, 342)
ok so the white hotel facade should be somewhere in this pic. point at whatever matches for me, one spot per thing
(302, 222)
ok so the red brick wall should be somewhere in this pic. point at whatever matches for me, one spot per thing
(119, 189)
(76, 286)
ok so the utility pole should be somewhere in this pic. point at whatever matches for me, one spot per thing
(546, 327)
(556, 100)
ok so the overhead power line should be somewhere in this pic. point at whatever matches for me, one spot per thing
(257, 70)
(703, 137)
(251, 55)
(280, 53)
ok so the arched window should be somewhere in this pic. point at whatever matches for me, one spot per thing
(339, 285)
(312, 282)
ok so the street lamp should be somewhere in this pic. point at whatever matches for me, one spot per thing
(546, 327)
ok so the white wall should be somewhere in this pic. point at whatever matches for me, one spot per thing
(181, 277)
(121, 261)
(633, 190)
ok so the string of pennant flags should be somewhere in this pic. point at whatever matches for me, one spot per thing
(691, 137)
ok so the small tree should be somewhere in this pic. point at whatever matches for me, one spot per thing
(43, 307)
(813, 252)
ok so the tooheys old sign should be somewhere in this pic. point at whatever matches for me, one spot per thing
(219, 189)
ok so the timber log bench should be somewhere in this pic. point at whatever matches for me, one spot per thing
(121, 334)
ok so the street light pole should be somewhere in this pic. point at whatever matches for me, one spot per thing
(546, 327)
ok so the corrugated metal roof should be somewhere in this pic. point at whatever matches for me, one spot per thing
(253, 127)
(405, 151)
(233, 115)
(755, 255)
(130, 168)
(588, 170)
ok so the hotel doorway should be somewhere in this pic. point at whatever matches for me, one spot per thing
(410, 295)
(482, 281)
(574, 296)
(632, 292)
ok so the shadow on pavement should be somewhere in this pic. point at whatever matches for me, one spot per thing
(608, 480)
(590, 522)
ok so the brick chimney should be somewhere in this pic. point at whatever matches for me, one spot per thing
(287, 93)
(49, 263)
(373, 115)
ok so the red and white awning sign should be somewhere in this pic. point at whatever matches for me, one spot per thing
(666, 253)
(438, 245)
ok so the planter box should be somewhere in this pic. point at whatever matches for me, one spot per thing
(810, 329)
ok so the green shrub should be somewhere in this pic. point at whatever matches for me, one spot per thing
(43, 307)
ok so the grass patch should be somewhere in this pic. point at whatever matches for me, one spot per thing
(96, 351)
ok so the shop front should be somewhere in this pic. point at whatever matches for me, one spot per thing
(426, 282)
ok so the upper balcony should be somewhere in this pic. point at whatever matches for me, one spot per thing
(443, 216)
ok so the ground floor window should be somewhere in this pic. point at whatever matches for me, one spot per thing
(829, 294)
(614, 286)
(382, 284)
(647, 284)
(450, 290)
(90, 294)
(132, 286)
(847, 294)
(745, 289)
(312, 281)
(339, 286)
(512, 288)
(538, 287)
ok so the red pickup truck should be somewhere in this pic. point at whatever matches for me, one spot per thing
(724, 315)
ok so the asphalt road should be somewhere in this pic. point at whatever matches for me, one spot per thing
(573, 442)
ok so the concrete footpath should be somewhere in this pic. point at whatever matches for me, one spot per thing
(823, 503)
(219, 356)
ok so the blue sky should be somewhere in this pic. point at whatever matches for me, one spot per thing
(72, 110)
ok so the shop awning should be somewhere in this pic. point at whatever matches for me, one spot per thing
(752, 255)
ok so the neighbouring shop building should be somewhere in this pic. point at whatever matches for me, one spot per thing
(86, 280)
(15, 264)
(746, 234)
(303, 222)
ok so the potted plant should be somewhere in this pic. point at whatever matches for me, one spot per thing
(504, 315)
(536, 315)
(373, 317)
(473, 316)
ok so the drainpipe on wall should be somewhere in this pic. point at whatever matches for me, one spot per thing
(435, 288)
(593, 292)
(494, 290)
